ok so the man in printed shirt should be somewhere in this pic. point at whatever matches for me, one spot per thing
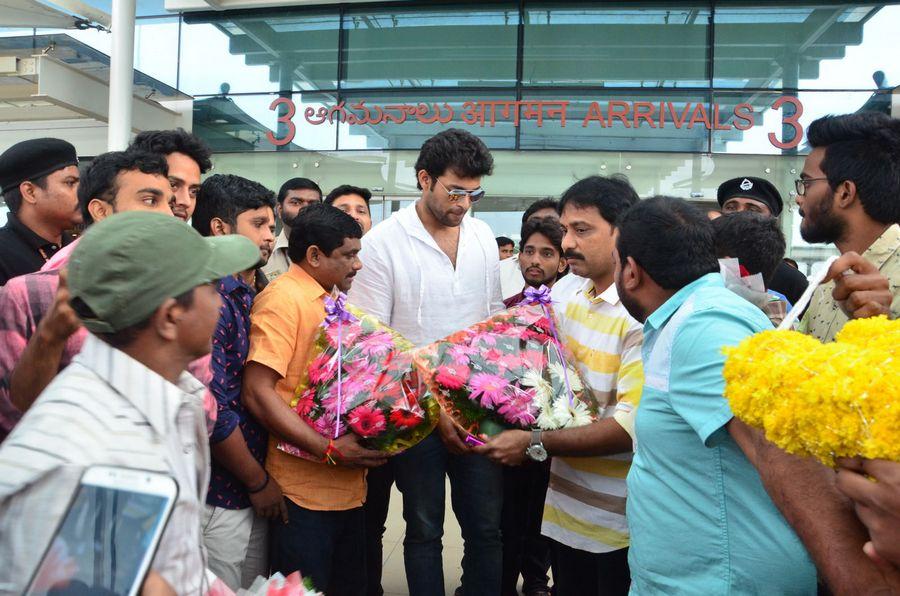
(241, 495)
(39, 331)
(325, 531)
(849, 195)
(126, 399)
(584, 513)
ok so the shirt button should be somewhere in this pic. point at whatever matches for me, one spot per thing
(187, 449)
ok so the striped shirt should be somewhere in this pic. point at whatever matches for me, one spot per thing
(585, 505)
(104, 408)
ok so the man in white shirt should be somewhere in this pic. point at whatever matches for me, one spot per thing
(126, 399)
(428, 271)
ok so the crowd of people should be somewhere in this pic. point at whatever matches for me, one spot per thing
(171, 334)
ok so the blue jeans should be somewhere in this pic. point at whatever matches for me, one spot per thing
(326, 546)
(477, 497)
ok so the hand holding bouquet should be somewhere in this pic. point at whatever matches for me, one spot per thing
(362, 380)
(828, 401)
(507, 372)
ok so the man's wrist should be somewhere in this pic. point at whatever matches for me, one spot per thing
(48, 336)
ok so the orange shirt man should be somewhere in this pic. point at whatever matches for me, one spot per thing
(324, 535)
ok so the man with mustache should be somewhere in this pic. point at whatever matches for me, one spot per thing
(187, 157)
(241, 497)
(323, 536)
(294, 195)
(584, 511)
(430, 270)
(511, 280)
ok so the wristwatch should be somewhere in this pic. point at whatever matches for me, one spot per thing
(536, 450)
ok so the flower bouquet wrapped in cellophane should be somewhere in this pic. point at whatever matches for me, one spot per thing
(362, 380)
(508, 371)
(833, 400)
(276, 585)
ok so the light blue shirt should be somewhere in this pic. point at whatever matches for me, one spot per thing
(700, 520)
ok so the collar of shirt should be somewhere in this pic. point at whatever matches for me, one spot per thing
(884, 247)
(133, 381)
(32, 238)
(412, 223)
(282, 241)
(668, 308)
(610, 295)
(309, 288)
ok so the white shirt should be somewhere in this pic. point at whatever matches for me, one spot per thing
(104, 408)
(511, 279)
(279, 261)
(409, 283)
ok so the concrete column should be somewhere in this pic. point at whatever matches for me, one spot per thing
(121, 74)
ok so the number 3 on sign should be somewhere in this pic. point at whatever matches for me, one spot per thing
(792, 120)
(290, 129)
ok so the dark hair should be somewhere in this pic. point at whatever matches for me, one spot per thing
(504, 241)
(98, 180)
(670, 239)
(863, 148)
(612, 196)
(546, 203)
(457, 150)
(126, 336)
(320, 225)
(226, 196)
(297, 184)
(179, 140)
(347, 189)
(754, 239)
(13, 196)
(547, 226)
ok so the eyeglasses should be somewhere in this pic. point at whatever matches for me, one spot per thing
(457, 194)
(801, 184)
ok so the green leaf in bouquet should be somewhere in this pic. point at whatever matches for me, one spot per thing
(491, 428)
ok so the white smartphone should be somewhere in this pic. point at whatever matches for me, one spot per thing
(109, 534)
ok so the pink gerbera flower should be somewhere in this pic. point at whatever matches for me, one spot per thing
(322, 368)
(377, 344)
(452, 376)
(518, 409)
(367, 421)
(305, 403)
(487, 388)
(487, 339)
(460, 354)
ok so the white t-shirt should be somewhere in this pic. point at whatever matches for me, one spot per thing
(409, 283)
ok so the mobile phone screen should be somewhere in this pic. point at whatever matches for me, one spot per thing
(100, 545)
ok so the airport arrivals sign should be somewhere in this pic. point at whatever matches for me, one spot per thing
(600, 114)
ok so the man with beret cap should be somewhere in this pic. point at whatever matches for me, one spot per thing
(760, 196)
(39, 182)
(126, 399)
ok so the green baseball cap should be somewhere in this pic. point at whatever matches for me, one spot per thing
(127, 265)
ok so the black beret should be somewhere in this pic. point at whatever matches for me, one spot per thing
(757, 189)
(29, 160)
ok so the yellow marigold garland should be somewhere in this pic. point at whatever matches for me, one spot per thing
(839, 399)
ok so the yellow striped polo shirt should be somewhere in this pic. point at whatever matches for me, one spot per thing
(585, 505)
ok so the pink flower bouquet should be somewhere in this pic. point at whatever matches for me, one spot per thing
(507, 372)
(362, 380)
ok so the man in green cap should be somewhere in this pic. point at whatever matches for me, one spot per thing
(126, 399)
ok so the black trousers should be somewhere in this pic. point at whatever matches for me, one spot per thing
(525, 550)
(378, 498)
(580, 573)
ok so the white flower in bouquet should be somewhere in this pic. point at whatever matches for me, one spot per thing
(570, 413)
(559, 373)
(543, 391)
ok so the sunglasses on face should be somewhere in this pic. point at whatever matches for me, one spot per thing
(458, 194)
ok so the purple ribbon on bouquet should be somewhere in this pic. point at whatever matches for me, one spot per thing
(541, 296)
(336, 312)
